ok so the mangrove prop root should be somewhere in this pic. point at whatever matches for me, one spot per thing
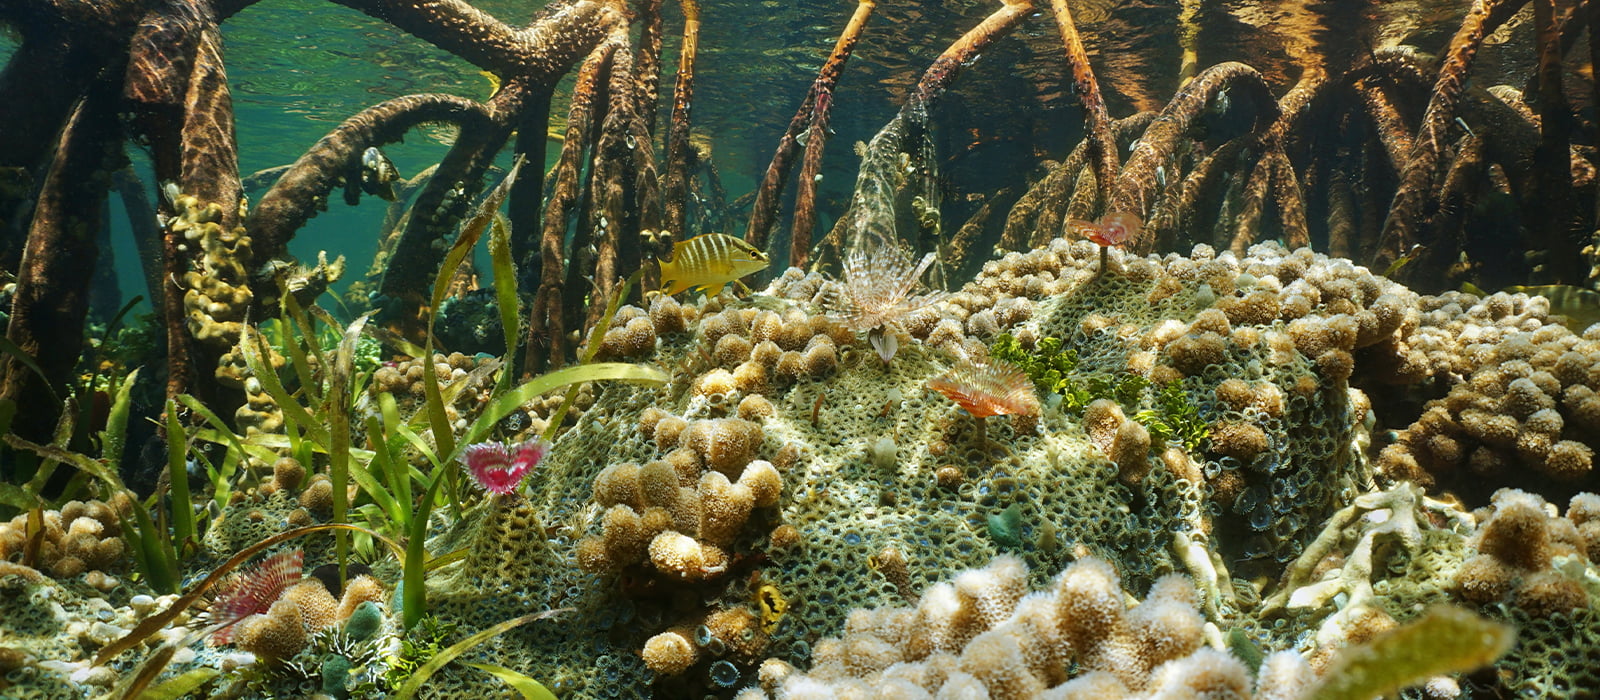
(805, 199)
(524, 206)
(542, 52)
(146, 235)
(444, 200)
(805, 207)
(1052, 198)
(764, 211)
(1416, 177)
(1466, 177)
(546, 334)
(52, 294)
(1102, 149)
(176, 90)
(1085, 194)
(963, 246)
(1274, 173)
(625, 183)
(1135, 185)
(945, 68)
(302, 190)
(71, 43)
(1552, 186)
(1290, 200)
(1387, 122)
(647, 68)
(675, 184)
(1020, 225)
(1199, 186)
(909, 128)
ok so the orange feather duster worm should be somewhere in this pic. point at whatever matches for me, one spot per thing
(994, 389)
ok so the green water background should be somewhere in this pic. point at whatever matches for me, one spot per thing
(299, 67)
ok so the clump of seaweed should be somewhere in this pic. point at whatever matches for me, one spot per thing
(1166, 412)
(1175, 418)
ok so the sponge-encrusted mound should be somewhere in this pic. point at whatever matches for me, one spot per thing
(984, 635)
(871, 463)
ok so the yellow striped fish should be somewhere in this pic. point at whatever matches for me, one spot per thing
(709, 262)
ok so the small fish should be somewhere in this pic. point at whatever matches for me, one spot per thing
(709, 262)
(1114, 229)
(1401, 262)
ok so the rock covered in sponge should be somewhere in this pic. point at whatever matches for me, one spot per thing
(1516, 550)
(81, 537)
(985, 636)
(682, 557)
(670, 653)
(726, 444)
(278, 634)
(635, 338)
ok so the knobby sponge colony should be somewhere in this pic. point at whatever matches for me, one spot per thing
(985, 634)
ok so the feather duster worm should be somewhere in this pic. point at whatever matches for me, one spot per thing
(995, 389)
(254, 591)
(497, 467)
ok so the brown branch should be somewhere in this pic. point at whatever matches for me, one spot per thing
(647, 68)
(303, 190)
(1135, 184)
(542, 52)
(1022, 219)
(963, 51)
(1551, 216)
(1465, 179)
(1273, 171)
(964, 245)
(1417, 176)
(906, 136)
(1342, 223)
(805, 196)
(1056, 197)
(63, 47)
(1177, 214)
(442, 202)
(623, 166)
(546, 318)
(1102, 149)
(765, 209)
(1290, 200)
(177, 92)
(1085, 195)
(525, 203)
(51, 300)
(146, 234)
(675, 184)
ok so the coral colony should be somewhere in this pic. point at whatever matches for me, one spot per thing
(1267, 436)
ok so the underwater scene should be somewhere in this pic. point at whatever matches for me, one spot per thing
(799, 349)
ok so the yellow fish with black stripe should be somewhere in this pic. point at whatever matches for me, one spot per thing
(709, 262)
